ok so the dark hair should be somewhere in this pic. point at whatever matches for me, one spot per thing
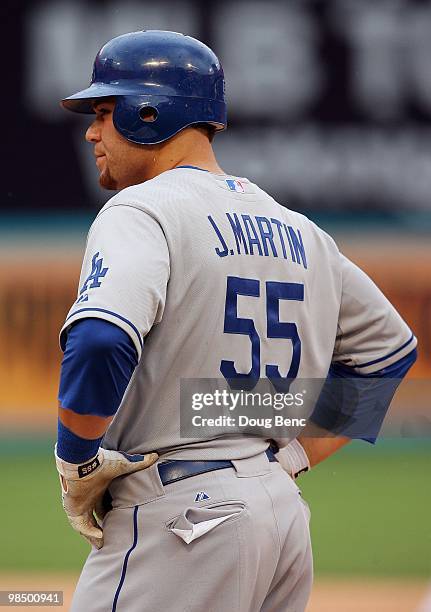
(209, 129)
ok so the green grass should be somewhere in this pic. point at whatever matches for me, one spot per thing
(34, 531)
(371, 511)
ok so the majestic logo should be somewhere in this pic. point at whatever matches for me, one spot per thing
(201, 496)
(93, 280)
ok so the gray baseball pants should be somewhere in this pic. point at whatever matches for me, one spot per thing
(233, 540)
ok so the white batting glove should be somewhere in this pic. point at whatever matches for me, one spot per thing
(293, 459)
(83, 486)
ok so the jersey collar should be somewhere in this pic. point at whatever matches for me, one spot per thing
(192, 167)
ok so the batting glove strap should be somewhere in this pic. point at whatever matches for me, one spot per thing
(293, 459)
(78, 471)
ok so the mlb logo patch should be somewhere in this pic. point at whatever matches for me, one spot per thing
(235, 185)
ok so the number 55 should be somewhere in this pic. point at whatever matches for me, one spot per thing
(275, 291)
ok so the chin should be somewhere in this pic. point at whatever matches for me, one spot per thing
(106, 181)
(108, 186)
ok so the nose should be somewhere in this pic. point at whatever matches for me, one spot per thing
(93, 133)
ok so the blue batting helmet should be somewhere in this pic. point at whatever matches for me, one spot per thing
(176, 75)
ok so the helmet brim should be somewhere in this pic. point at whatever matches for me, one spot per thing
(83, 101)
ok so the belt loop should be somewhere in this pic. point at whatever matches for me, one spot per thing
(252, 466)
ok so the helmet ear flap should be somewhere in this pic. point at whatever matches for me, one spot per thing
(140, 120)
(135, 119)
(153, 119)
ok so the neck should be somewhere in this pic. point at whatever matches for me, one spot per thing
(188, 148)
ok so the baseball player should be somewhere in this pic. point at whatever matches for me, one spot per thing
(191, 273)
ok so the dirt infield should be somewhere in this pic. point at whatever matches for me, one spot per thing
(328, 595)
(367, 596)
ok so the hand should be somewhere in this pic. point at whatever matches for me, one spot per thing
(83, 487)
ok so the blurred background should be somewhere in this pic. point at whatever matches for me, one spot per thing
(330, 112)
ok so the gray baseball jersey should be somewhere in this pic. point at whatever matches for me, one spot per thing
(218, 279)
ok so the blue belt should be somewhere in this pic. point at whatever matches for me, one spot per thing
(173, 471)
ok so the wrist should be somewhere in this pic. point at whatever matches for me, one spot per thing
(74, 449)
(293, 458)
(76, 471)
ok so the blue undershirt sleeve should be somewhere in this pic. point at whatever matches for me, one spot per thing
(98, 363)
(355, 405)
